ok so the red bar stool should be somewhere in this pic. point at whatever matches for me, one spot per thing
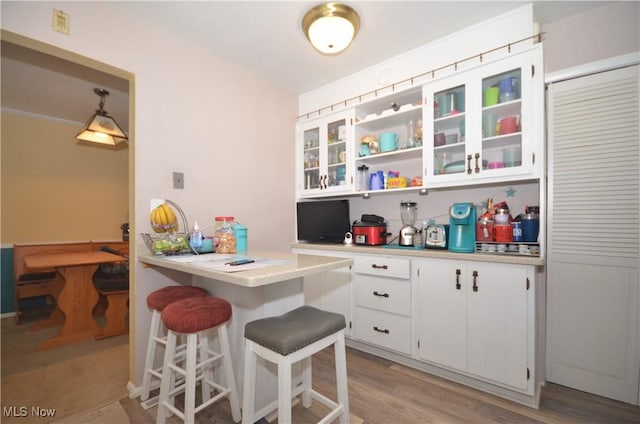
(157, 301)
(193, 318)
(285, 340)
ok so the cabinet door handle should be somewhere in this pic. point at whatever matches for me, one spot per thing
(475, 283)
(469, 164)
(385, 331)
(477, 165)
(375, 293)
(458, 285)
(374, 266)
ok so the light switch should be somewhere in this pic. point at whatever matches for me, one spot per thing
(178, 180)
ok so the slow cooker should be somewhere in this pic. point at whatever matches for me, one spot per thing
(369, 234)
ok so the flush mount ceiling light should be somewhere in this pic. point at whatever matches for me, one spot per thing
(102, 128)
(330, 27)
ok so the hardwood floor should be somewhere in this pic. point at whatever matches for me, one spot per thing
(383, 392)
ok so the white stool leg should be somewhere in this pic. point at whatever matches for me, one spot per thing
(190, 379)
(248, 393)
(306, 382)
(223, 338)
(149, 361)
(167, 378)
(207, 370)
(284, 390)
(341, 377)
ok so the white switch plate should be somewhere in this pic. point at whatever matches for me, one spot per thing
(61, 21)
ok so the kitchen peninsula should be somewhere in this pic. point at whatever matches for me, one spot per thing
(272, 289)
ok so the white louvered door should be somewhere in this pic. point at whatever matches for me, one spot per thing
(593, 243)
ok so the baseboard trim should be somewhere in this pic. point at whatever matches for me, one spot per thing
(134, 391)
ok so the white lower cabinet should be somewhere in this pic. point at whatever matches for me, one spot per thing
(382, 302)
(477, 317)
(330, 290)
(470, 321)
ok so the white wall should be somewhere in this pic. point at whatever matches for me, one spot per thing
(56, 190)
(471, 41)
(601, 33)
(194, 113)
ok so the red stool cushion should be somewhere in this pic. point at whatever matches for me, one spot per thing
(196, 314)
(160, 298)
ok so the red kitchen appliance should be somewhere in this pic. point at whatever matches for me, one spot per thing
(371, 230)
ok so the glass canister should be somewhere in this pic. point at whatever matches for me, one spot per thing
(484, 229)
(224, 239)
(530, 227)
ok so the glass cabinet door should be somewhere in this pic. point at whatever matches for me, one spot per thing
(336, 154)
(323, 153)
(449, 130)
(501, 120)
(311, 158)
(487, 123)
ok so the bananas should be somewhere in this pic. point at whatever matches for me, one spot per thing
(163, 219)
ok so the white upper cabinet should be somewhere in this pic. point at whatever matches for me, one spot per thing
(324, 161)
(486, 124)
(479, 126)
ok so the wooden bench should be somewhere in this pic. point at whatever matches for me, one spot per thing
(37, 283)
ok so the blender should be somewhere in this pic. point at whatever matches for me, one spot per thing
(408, 214)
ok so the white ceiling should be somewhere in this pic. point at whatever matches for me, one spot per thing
(262, 35)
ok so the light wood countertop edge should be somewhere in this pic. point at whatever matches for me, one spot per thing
(297, 266)
(425, 253)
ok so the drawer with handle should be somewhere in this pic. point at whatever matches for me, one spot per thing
(383, 329)
(383, 266)
(383, 294)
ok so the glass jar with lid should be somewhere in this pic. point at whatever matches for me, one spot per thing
(224, 239)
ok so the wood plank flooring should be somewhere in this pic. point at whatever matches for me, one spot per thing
(383, 392)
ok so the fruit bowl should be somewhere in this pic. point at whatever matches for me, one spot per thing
(167, 240)
(167, 244)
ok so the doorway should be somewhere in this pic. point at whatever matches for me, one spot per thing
(75, 77)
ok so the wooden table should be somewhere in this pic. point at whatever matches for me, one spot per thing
(78, 296)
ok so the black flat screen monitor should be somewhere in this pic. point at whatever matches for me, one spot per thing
(323, 221)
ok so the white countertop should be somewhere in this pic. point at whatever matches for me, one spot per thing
(425, 253)
(286, 266)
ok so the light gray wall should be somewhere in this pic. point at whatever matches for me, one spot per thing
(597, 34)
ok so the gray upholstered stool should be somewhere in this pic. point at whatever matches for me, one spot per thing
(285, 340)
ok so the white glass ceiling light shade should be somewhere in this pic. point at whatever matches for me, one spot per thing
(330, 27)
(102, 128)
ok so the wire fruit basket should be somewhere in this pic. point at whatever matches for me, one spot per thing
(170, 242)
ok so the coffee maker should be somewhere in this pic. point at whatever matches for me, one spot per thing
(462, 228)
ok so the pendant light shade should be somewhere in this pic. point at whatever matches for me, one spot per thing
(102, 128)
(330, 27)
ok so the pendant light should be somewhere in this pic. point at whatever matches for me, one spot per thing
(330, 27)
(102, 128)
